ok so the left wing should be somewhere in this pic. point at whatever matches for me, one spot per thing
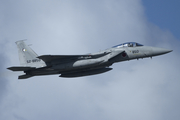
(49, 58)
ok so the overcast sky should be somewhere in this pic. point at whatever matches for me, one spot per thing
(146, 89)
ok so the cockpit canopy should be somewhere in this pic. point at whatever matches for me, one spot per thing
(128, 44)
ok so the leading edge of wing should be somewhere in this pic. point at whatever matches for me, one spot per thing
(48, 58)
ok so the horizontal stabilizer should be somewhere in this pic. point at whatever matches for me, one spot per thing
(24, 76)
(21, 68)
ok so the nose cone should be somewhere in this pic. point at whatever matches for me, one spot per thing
(159, 51)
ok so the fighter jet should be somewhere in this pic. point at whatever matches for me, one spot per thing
(80, 65)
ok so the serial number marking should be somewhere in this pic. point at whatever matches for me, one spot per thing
(34, 60)
(135, 51)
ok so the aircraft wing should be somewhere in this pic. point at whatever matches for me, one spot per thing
(49, 58)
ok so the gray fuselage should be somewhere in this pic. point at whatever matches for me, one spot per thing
(112, 55)
(80, 65)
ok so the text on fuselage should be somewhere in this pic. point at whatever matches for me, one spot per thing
(135, 51)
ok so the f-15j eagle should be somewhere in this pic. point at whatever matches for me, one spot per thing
(80, 65)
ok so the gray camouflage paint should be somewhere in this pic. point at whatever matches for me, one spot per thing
(80, 65)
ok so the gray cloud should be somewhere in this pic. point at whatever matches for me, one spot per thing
(3, 76)
(3, 79)
(145, 89)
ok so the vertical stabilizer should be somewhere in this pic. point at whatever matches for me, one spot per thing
(27, 56)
